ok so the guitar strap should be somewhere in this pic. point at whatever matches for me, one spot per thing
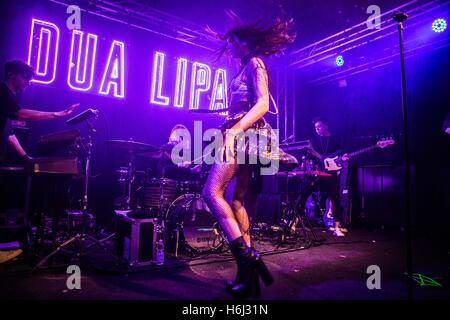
(324, 151)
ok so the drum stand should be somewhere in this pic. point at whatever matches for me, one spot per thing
(80, 238)
(298, 215)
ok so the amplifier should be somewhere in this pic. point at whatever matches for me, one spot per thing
(136, 238)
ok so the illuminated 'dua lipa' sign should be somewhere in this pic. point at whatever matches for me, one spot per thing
(43, 55)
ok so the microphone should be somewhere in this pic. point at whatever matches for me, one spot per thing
(85, 115)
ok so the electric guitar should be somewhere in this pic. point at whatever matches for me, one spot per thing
(334, 163)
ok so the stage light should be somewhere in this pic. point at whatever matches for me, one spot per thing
(339, 61)
(439, 25)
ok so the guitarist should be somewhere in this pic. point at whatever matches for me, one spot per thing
(324, 144)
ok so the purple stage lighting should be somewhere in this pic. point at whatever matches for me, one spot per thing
(439, 25)
(339, 61)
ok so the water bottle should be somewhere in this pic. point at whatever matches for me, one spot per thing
(160, 252)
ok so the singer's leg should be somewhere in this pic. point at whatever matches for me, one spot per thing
(242, 181)
(213, 192)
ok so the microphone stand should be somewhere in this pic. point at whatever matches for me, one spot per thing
(400, 17)
(85, 202)
(87, 170)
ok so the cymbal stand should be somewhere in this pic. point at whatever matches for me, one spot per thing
(131, 177)
(295, 214)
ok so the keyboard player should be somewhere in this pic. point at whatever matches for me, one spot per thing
(17, 78)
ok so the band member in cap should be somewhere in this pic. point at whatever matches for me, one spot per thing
(17, 78)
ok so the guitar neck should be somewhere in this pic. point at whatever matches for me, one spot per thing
(357, 153)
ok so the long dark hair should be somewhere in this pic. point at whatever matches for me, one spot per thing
(261, 40)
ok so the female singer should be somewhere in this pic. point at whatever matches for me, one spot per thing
(248, 102)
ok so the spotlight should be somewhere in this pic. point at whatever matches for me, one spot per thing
(339, 61)
(439, 25)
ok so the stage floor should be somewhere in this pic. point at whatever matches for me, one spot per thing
(333, 270)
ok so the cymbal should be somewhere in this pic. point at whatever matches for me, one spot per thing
(131, 145)
(138, 146)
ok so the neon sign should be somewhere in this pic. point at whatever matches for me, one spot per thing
(114, 73)
(46, 45)
(84, 81)
(180, 83)
(219, 95)
(200, 82)
(157, 78)
(84, 67)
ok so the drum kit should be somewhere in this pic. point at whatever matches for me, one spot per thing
(176, 199)
(172, 194)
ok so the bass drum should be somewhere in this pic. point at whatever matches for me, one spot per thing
(190, 227)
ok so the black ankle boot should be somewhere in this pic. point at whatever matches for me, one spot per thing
(250, 268)
(254, 291)
(230, 284)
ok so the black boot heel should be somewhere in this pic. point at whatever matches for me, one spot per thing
(229, 285)
(255, 287)
(262, 270)
(251, 289)
(250, 268)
